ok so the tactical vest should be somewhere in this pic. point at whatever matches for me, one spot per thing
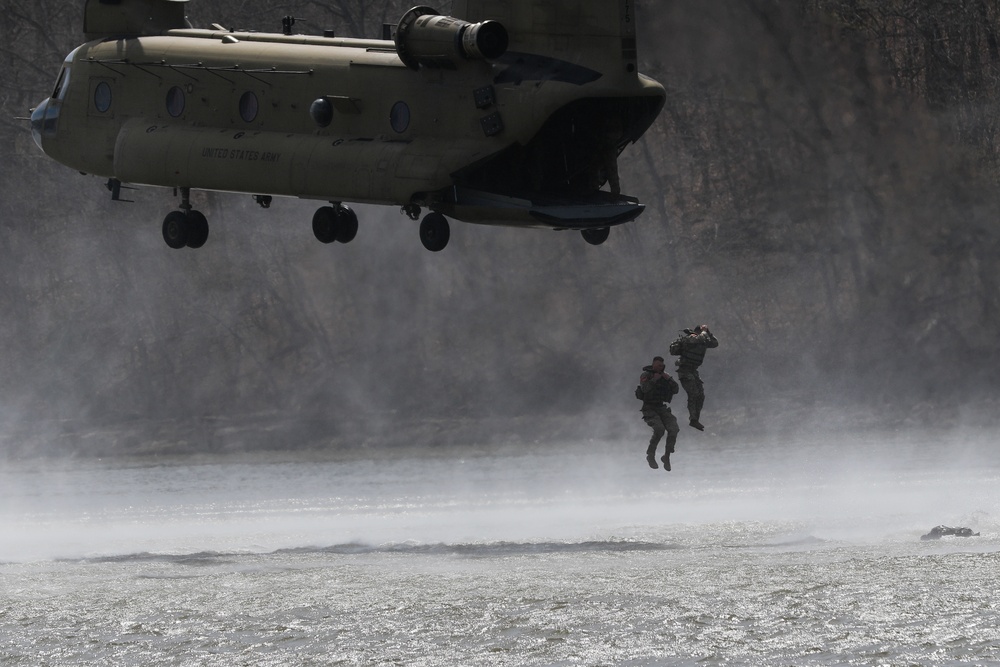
(660, 391)
(692, 353)
(692, 356)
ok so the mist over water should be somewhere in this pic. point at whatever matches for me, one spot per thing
(749, 552)
(454, 468)
(793, 202)
(837, 488)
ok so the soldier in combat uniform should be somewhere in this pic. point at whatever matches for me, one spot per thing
(693, 346)
(657, 388)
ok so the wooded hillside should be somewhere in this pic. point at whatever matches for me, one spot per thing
(821, 189)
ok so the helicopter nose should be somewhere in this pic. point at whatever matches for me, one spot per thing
(39, 120)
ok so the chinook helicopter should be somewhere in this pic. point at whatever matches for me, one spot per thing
(511, 112)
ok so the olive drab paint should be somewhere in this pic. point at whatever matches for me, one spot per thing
(505, 113)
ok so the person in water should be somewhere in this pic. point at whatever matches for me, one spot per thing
(937, 532)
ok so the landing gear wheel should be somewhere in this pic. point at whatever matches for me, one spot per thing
(335, 224)
(347, 224)
(197, 229)
(596, 236)
(325, 224)
(434, 232)
(176, 229)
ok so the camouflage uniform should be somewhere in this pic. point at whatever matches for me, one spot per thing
(655, 412)
(693, 350)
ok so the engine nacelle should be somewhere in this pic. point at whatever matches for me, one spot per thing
(425, 38)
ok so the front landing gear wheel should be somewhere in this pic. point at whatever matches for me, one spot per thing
(176, 229)
(197, 229)
(325, 224)
(347, 224)
(596, 236)
(434, 232)
(335, 224)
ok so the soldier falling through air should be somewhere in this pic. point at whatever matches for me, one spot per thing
(656, 388)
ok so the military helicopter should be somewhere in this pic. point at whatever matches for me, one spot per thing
(512, 112)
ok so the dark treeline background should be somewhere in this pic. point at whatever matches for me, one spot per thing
(821, 189)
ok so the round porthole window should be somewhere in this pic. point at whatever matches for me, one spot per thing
(175, 102)
(102, 97)
(249, 106)
(322, 112)
(399, 117)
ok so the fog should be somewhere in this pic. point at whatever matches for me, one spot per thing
(835, 228)
(811, 493)
(256, 450)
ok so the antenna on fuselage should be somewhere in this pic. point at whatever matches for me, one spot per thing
(287, 23)
(115, 188)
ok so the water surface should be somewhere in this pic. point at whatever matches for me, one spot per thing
(758, 553)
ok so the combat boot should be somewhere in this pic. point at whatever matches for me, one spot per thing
(651, 457)
(666, 461)
(697, 424)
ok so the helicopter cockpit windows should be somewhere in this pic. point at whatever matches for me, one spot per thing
(102, 97)
(249, 106)
(399, 117)
(61, 83)
(175, 102)
(45, 117)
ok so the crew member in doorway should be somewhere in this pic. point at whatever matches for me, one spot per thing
(691, 348)
(604, 167)
(657, 388)
(609, 162)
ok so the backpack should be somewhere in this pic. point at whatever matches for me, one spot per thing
(676, 347)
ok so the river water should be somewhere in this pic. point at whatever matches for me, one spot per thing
(748, 553)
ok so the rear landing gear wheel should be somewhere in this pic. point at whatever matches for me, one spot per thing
(596, 236)
(434, 232)
(176, 229)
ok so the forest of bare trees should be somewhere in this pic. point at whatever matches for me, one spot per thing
(821, 188)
